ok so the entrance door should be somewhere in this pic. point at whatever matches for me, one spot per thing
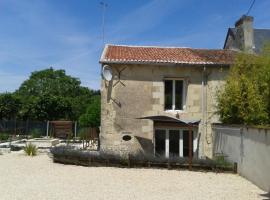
(174, 143)
(160, 147)
(186, 143)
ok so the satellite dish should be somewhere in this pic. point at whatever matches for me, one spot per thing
(107, 72)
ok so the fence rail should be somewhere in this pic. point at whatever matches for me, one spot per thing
(45, 128)
(18, 127)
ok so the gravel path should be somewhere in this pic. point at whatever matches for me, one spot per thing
(23, 177)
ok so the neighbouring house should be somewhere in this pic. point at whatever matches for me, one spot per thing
(245, 37)
(161, 100)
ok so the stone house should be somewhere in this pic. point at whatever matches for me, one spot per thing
(162, 100)
(156, 95)
(245, 37)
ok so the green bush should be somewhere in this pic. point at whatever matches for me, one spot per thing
(30, 150)
(245, 96)
(91, 118)
(220, 161)
(4, 136)
(82, 133)
(35, 133)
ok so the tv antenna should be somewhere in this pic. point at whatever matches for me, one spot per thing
(251, 6)
(104, 6)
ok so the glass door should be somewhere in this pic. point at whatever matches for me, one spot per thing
(174, 143)
(160, 147)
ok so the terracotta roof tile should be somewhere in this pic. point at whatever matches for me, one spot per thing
(144, 54)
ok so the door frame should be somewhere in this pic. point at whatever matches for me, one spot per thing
(167, 141)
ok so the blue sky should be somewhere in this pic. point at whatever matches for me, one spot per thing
(66, 34)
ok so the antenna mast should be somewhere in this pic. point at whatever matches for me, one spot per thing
(251, 6)
(104, 6)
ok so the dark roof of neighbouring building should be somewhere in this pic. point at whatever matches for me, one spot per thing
(261, 36)
(163, 55)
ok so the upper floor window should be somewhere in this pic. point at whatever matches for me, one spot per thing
(174, 94)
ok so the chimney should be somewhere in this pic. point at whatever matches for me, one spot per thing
(244, 33)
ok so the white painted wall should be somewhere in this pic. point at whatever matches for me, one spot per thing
(250, 148)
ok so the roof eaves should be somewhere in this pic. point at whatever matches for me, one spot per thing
(159, 62)
(102, 58)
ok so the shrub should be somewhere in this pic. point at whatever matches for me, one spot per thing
(92, 116)
(82, 133)
(30, 150)
(70, 155)
(220, 161)
(4, 136)
(35, 133)
(245, 96)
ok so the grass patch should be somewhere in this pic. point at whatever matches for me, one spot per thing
(4, 136)
(221, 162)
(30, 150)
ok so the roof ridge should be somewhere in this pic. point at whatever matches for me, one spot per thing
(164, 47)
(146, 46)
(266, 29)
(173, 55)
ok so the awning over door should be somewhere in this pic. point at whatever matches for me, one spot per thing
(167, 120)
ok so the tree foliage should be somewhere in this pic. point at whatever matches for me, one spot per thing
(245, 98)
(9, 106)
(92, 116)
(51, 94)
(47, 95)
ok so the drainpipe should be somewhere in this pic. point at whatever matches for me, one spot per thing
(203, 109)
(190, 149)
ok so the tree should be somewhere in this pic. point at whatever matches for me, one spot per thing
(51, 94)
(9, 106)
(245, 98)
(47, 107)
(92, 116)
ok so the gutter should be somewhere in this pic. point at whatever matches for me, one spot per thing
(165, 63)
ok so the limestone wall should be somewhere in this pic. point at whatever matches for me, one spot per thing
(141, 93)
(249, 147)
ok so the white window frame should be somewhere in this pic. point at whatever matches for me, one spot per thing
(173, 93)
(167, 141)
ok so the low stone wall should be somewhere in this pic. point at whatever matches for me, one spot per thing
(249, 147)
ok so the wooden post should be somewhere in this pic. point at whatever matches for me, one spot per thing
(47, 129)
(190, 149)
(15, 126)
(27, 127)
(75, 130)
(235, 168)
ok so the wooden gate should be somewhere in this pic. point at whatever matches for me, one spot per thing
(61, 129)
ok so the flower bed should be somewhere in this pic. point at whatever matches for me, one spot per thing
(69, 155)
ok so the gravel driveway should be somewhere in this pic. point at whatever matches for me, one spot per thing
(23, 177)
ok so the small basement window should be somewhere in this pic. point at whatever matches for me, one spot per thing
(174, 94)
(126, 137)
